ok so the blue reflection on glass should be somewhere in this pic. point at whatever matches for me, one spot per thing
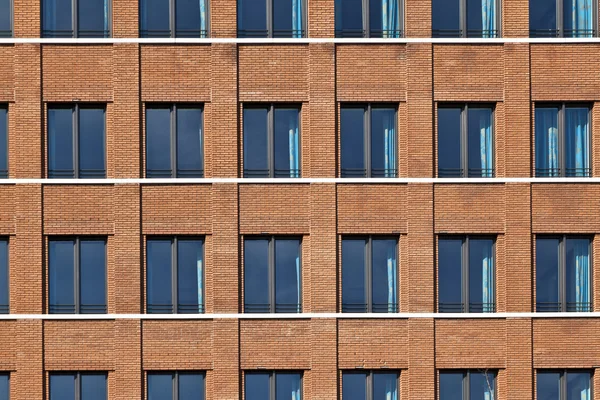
(449, 148)
(385, 386)
(383, 142)
(287, 276)
(190, 152)
(93, 386)
(190, 279)
(288, 386)
(159, 276)
(354, 386)
(160, 386)
(287, 143)
(445, 18)
(481, 275)
(256, 275)
(384, 275)
(60, 143)
(352, 142)
(450, 275)
(187, 18)
(91, 143)
(4, 285)
(256, 158)
(348, 18)
(3, 142)
(578, 386)
(4, 386)
(62, 386)
(252, 18)
(158, 142)
(256, 386)
(546, 274)
(353, 275)
(62, 274)
(5, 16)
(57, 18)
(482, 385)
(92, 18)
(542, 18)
(92, 276)
(191, 386)
(154, 17)
(548, 386)
(451, 386)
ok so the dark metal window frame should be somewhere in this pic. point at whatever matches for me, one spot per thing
(367, 137)
(4, 173)
(175, 380)
(173, 107)
(563, 305)
(562, 145)
(77, 273)
(77, 376)
(466, 380)
(5, 308)
(9, 33)
(463, 31)
(271, 107)
(175, 306)
(464, 138)
(366, 22)
(270, 31)
(559, 30)
(562, 380)
(369, 379)
(76, 32)
(465, 307)
(172, 33)
(272, 378)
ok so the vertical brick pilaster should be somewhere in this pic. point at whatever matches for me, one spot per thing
(226, 350)
(324, 359)
(421, 359)
(515, 18)
(418, 18)
(28, 381)
(128, 361)
(322, 19)
(519, 358)
(223, 18)
(125, 19)
(27, 18)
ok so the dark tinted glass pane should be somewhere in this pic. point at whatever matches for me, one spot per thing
(445, 18)
(283, 18)
(546, 142)
(578, 386)
(480, 142)
(190, 275)
(93, 387)
(190, 160)
(375, 18)
(256, 159)
(62, 289)
(4, 288)
(160, 386)
(5, 13)
(578, 275)
(256, 386)
(288, 386)
(287, 275)
(191, 386)
(384, 275)
(93, 18)
(577, 142)
(385, 386)
(58, 20)
(92, 276)
(252, 18)
(546, 275)
(354, 386)
(159, 278)
(158, 142)
(187, 18)
(578, 18)
(450, 275)
(4, 387)
(256, 275)
(154, 17)
(91, 143)
(383, 142)
(481, 275)
(287, 143)
(3, 142)
(353, 143)
(348, 18)
(451, 387)
(548, 386)
(62, 387)
(542, 18)
(449, 142)
(474, 18)
(482, 386)
(353, 275)
(60, 143)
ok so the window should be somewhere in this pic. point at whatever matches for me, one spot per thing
(272, 275)
(76, 141)
(4, 286)
(369, 274)
(5, 18)
(78, 386)
(563, 274)
(369, 18)
(467, 385)
(563, 385)
(77, 270)
(174, 142)
(465, 18)
(465, 141)
(466, 274)
(273, 385)
(74, 18)
(174, 18)
(562, 140)
(271, 141)
(175, 275)
(176, 386)
(562, 18)
(368, 141)
(370, 385)
(3, 140)
(271, 18)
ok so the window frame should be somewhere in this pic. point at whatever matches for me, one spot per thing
(466, 380)
(562, 380)
(5, 309)
(366, 21)
(270, 32)
(175, 380)
(369, 379)
(11, 22)
(77, 375)
(272, 377)
(173, 25)
(463, 31)
(560, 22)
(5, 107)
(75, 23)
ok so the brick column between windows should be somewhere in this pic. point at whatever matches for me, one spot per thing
(515, 19)
(128, 360)
(226, 350)
(421, 359)
(418, 20)
(28, 380)
(519, 358)
(27, 19)
(323, 374)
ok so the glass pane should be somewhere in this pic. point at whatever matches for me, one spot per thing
(190, 160)
(191, 386)
(384, 286)
(91, 143)
(93, 276)
(160, 386)
(287, 143)
(154, 17)
(288, 386)
(4, 386)
(385, 386)
(480, 143)
(3, 142)
(449, 153)
(285, 18)
(578, 18)
(482, 385)
(252, 18)
(93, 18)
(451, 386)
(159, 278)
(578, 268)
(5, 13)
(354, 386)
(542, 18)
(62, 386)
(352, 142)
(256, 275)
(158, 142)
(256, 386)
(353, 275)
(546, 275)
(348, 18)
(287, 276)
(546, 142)
(61, 269)
(93, 387)
(190, 276)
(375, 17)
(187, 18)
(256, 156)
(577, 142)
(548, 386)
(578, 386)
(445, 18)
(60, 143)
(4, 287)
(450, 275)
(383, 143)
(481, 275)
(58, 18)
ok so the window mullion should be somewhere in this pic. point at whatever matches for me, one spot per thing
(367, 141)
(462, 18)
(272, 275)
(175, 386)
(369, 274)
(563, 274)
(562, 141)
(78, 386)
(74, 20)
(369, 385)
(563, 385)
(366, 22)
(465, 272)
(75, 136)
(272, 385)
(463, 142)
(270, 18)
(271, 140)
(172, 10)
(174, 297)
(76, 288)
(465, 382)
(559, 18)
(173, 138)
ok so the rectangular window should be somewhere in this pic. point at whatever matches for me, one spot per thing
(174, 142)
(78, 386)
(563, 274)
(77, 275)
(74, 18)
(6, 18)
(562, 18)
(273, 385)
(465, 141)
(563, 385)
(562, 140)
(272, 275)
(370, 385)
(465, 18)
(369, 274)
(174, 18)
(175, 275)
(368, 141)
(76, 141)
(186, 385)
(466, 274)
(467, 385)
(369, 18)
(271, 18)
(271, 141)
(3, 140)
